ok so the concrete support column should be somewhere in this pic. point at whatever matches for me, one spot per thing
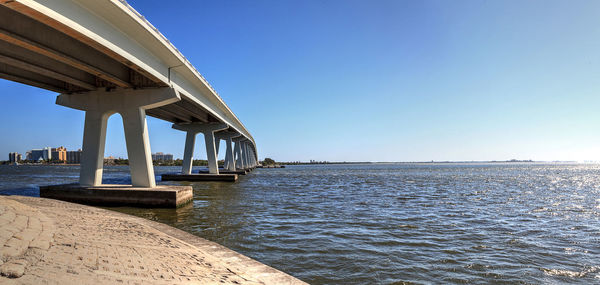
(248, 154)
(94, 140)
(229, 162)
(208, 129)
(188, 152)
(228, 137)
(249, 151)
(226, 162)
(131, 104)
(211, 152)
(238, 153)
(138, 148)
(217, 144)
(252, 157)
(245, 155)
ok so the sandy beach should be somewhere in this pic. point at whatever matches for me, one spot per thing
(44, 241)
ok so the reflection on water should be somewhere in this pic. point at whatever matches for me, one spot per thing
(356, 224)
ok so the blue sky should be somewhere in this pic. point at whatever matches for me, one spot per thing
(346, 80)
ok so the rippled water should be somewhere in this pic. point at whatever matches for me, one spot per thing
(387, 223)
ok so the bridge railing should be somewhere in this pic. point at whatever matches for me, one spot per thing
(140, 16)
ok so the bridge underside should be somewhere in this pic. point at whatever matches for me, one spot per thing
(38, 51)
(85, 48)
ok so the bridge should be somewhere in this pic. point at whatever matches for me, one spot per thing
(104, 58)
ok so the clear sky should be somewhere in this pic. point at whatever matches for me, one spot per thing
(355, 80)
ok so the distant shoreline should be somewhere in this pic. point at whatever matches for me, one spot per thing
(353, 162)
(433, 162)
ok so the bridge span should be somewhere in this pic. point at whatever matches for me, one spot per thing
(103, 57)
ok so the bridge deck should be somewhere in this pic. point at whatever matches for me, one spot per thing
(75, 46)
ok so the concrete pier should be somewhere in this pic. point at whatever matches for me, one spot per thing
(223, 171)
(192, 129)
(229, 154)
(200, 177)
(270, 166)
(131, 105)
(120, 195)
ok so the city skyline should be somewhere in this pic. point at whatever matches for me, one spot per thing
(384, 81)
(61, 153)
(168, 156)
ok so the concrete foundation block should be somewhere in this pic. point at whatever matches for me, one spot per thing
(223, 171)
(163, 196)
(200, 177)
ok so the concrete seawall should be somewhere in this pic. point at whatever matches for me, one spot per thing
(49, 241)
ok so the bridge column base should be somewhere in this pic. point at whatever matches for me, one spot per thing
(120, 195)
(225, 171)
(200, 177)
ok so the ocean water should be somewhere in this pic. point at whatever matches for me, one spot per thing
(390, 223)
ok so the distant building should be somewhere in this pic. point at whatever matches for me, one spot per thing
(39, 154)
(59, 153)
(159, 156)
(74, 156)
(109, 160)
(14, 157)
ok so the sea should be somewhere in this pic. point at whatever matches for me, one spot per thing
(405, 223)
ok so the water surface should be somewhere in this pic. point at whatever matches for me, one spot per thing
(387, 223)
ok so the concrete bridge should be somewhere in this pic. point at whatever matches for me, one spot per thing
(103, 57)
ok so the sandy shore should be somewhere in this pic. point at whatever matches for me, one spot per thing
(44, 241)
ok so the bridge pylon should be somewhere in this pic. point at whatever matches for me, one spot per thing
(229, 155)
(131, 105)
(208, 130)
